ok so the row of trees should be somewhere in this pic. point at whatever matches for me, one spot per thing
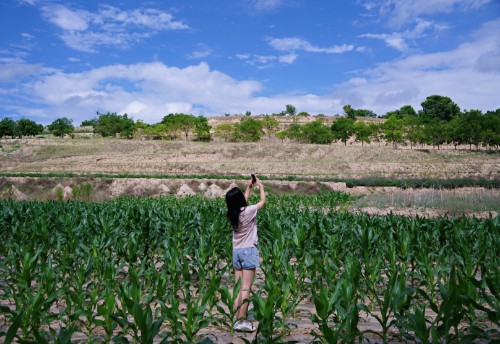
(27, 127)
(171, 126)
(469, 128)
(19, 128)
(440, 121)
(176, 125)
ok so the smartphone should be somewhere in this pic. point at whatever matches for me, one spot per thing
(254, 180)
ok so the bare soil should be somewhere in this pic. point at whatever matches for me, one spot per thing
(272, 158)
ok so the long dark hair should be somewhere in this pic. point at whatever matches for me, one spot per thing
(235, 200)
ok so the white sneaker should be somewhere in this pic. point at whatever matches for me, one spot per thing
(243, 326)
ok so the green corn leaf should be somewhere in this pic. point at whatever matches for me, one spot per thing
(11, 333)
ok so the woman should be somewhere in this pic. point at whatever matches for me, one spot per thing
(243, 218)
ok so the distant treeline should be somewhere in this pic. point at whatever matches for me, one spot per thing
(440, 121)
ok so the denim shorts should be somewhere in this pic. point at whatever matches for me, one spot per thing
(245, 258)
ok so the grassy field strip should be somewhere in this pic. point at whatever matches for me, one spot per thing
(369, 181)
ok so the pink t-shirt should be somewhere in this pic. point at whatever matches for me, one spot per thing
(246, 234)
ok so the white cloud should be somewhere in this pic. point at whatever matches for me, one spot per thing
(489, 62)
(469, 75)
(91, 41)
(67, 19)
(295, 44)
(28, 2)
(402, 41)
(262, 5)
(13, 66)
(261, 61)
(289, 58)
(85, 31)
(147, 91)
(393, 40)
(27, 36)
(243, 56)
(202, 52)
(401, 12)
(14, 71)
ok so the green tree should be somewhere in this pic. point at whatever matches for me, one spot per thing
(375, 132)
(317, 132)
(111, 124)
(491, 133)
(455, 131)
(140, 127)
(434, 133)
(61, 126)
(363, 132)
(180, 122)
(7, 127)
(224, 131)
(157, 130)
(139, 124)
(472, 128)
(249, 130)
(343, 129)
(27, 127)
(349, 112)
(281, 135)
(439, 108)
(202, 129)
(364, 113)
(293, 132)
(270, 124)
(89, 123)
(393, 131)
(406, 110)
(413, 129)
(290, 109)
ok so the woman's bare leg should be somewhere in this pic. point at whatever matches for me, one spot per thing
(246, 285)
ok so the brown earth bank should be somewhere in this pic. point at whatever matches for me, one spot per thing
(271, 158)
(102, 189)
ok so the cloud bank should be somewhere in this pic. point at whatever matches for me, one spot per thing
(85, 31)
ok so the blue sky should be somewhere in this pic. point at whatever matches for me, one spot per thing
(152, 58)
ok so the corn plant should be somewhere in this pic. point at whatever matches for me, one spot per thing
(168, 252)
(228, 299)
(450, 311)
(32, 304)
(143, 326)
(415, 325)
(393, 303)
(266, 303)
(326, 297)
(340, 306)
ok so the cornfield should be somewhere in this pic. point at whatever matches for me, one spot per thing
(159, 270)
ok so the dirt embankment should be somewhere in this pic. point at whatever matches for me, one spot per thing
(271, 158)
(101, 189)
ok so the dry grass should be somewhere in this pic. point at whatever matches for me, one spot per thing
(272, 158)
(451, 201)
